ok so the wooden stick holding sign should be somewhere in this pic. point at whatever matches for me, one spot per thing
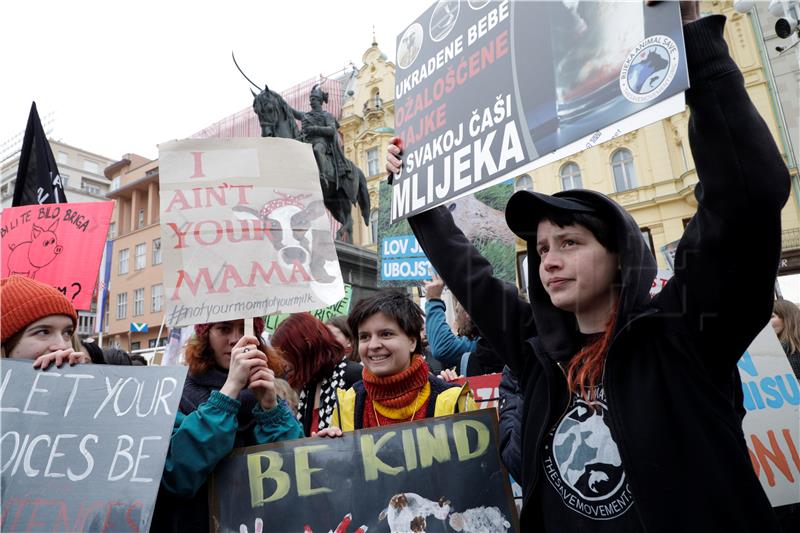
(248, 327)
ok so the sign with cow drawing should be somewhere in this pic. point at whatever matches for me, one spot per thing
(245, 230)
(57, 244)
(437, 474)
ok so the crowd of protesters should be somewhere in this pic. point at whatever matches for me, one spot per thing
(591, 343)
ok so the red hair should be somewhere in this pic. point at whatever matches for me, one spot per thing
(585, 369)
(200, 357)
(309, 346)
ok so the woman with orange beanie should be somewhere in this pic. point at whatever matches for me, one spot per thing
(38, 323)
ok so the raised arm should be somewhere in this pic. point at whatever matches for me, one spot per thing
(445, 345)
(727, 260)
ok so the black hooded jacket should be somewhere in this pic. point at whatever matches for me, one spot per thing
(670, 374)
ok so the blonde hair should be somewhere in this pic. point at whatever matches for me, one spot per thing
(790, 314)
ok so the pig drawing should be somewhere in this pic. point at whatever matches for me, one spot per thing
(28, 257)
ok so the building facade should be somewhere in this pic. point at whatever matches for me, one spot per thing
(367, 124)
(136, 290)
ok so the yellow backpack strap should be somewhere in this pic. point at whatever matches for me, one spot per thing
(343, 416)
(454, 400)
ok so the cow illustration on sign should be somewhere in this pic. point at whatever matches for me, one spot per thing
(28, 257)
(286, 221)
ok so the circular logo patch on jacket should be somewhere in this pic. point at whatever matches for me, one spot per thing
(649, 69)
(582, 463)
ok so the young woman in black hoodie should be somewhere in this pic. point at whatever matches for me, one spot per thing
(632, 411)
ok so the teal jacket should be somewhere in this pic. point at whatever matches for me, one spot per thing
(200, 440)
(445, 346)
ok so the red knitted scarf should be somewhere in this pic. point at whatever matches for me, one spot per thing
(396, 391)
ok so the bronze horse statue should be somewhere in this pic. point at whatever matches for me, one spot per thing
(343, 183)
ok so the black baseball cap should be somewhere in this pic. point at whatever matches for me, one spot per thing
(526, 208)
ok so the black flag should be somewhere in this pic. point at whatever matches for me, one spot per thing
(38, 180)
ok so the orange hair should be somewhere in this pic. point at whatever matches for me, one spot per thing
(200, 357)
(585, 369)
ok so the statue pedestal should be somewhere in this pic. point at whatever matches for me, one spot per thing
(359, 268)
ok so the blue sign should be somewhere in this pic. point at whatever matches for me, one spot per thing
(402, 246)
(410, 269)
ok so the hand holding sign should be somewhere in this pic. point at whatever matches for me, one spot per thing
(59, 357)
(262, 383)
(245, 358)
(434, 287)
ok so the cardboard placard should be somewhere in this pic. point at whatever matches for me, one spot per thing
(485, 389)
(772, 423)
(58, 244)
(83, 446)
(436, 471)
(484, 89)
(340, 308)
(244, 230)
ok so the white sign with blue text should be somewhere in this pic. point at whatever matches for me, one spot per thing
(772, 424)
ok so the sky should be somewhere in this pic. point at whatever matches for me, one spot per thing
(123, 76)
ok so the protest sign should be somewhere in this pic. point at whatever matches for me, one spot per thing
(433, 475)
(58, 244)
(483, 89)
(485, 389)
(83, 446)
(401, 260)
(340, 308)
(772, 423)
(244, 230)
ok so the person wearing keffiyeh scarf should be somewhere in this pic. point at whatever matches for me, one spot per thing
(317, 368)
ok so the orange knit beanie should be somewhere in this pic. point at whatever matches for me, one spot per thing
(24, 300)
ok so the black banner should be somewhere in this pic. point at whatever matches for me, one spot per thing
(484, 88)
(439, 474)
(38, 180)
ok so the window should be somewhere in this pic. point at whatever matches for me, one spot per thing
(156, 298)
(122, 305)
(63, 157)
(136, 346)
(112, 230)
(90, 166)
(156, 251)
(141, 256)
(373, 226)
(90, 187)
(372, 162)
(123, 261)
(138, 302)
(64, 179)
(161, 342)
(115, 183)
(523, 183)
(571, 176)
(624, 173)
(140, 218)
(648, 239)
